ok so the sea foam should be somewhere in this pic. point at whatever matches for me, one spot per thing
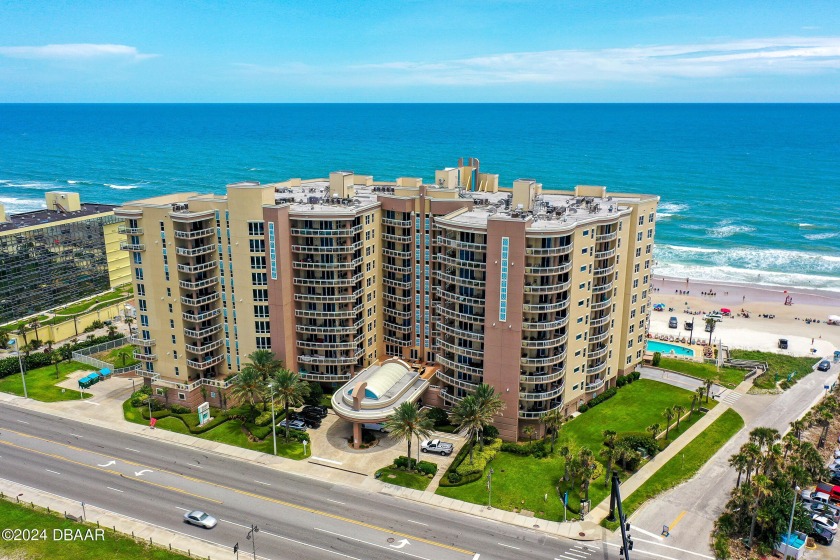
(121, 187)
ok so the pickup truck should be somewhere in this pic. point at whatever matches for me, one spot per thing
(832, 491)
(436, 446)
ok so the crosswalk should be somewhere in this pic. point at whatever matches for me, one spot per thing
(729, 396)
(578, 552)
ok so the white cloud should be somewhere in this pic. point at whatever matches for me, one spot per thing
(770, 56)
(75, 51)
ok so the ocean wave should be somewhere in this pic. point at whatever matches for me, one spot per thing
(660, 216)
(746, 276)
(817, 236)
(121, 187)
(670, 208)
(35, 185)
(725, 228)
(807, 225)
(682, 249)
(19, 205)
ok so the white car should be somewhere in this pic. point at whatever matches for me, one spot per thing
(714, 315)
(200, 519)
(825, 522)
(824, 510)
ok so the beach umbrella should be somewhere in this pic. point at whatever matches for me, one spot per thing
(725, 310)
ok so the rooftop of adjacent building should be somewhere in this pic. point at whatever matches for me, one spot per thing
(47, 217)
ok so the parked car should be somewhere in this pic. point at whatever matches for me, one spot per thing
(713, 315)
(293, 424)
(673, 323)
(826, 510)
(824, 365)
(375, 426)
(811, 496)
(309, 421)
(200, 519)
(822, 521)
(783, 343)
(688, 325)
(436, 446)
(830, 489)
(320, 410)
(314, 414)
(822, 536)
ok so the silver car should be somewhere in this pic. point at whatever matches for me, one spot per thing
(200, 519)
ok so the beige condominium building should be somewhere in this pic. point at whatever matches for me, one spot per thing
(542, 294)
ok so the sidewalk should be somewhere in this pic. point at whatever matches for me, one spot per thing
(83, 412)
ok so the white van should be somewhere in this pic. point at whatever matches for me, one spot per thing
(377, 427)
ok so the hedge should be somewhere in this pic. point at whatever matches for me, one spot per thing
(10, 366)
(480, 459)
(425, 467)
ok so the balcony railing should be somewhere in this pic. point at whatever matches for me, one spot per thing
(548, 270)
(533, 414)
(461, 263)
(460, 244)
(598, 337)
(132, 247)
(203, 250)
(448, 379)
(606, 236)
(201, 333)
(199, 284)
(310, 249)
(597, 368)
(602, 288)
(546, 307)
(548, 343)
(145, 357)
(590, 387)
(548, 251)
(345, 298)
(329, 282)
(604, 271)
(309, 329)
(527, 396)
(193, 268)
(604, 254)
(338, 265)
(201, 300)
(397, 223)
(464, 368)
(205, 347)
(455, 331)
(546, 325)
(198, 317)
(456, 280)
(147, 342)
(599, 321)
(130, 231)
(547, 361)
(333, 360)
(206, 363)
(596, 305)
(463, 351)
(556, 374)
(180, 234)
(549, 289)
(187, 216)
(327, 232)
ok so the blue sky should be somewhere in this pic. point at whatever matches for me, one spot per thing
(420, 51)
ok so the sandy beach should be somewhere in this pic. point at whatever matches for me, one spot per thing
(691, 299)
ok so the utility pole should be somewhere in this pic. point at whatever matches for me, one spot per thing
(252, 536)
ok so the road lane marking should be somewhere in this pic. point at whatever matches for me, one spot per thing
(326, 460)
(648, 533)
(644, 552)
(508, 546)
(182, 509)
(391, 548)
(91, 402)
(673, 548)
(197, 466)
(142, 472)
(675, 521)
(412, 521)
(576, 554)
(261, 482)
(335, 501)
(232, 523)
(76, 435)
(52, 471)
(476, 556)
(228, 488)
(310, 545)
(114, 489)
(23, 421)
(128, 448)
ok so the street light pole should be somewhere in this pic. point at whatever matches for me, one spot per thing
(273, 426)
(792, 510)
(22, 373)
(490, 487)
(252, 536)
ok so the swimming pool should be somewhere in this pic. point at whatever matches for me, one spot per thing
(666, 348)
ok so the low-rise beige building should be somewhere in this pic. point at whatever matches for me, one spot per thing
(542, 294)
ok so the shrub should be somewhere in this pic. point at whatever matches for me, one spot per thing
(635, 375)
(263, 419)
(179, 409)
(636, 440)
(515, 448)
(621, 381)
(480, 459)
(403, 462)
(453, 477)
(428, 468)
(657, 357)
(583, 408)
(315, 394)
(439, 416)
(490, 433)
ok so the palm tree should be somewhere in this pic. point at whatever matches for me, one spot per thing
(469, 419)
(587, 469)
(773, 459)
(668, 415)
(711, 324)
(290, 389)
(34, 325)
(625, 452)
(4, 339)
(797, 426)
(246, 385)
(654, 430)
(610, 438)
(678, 411)
(408, 421)
(762, 487)
(700, 392)
(21, 331)
(739, 461)
(112, 331)
(55, 359)
(263, 363)
(566, 453)
(489, 404)
(124, 354)
(529, 432)
(553, 419)
(693, 402)
(753, 453)
(708, 385)
(610, 455)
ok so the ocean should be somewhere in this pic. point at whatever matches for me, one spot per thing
(749, 193)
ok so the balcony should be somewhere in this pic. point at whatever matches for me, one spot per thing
(460, 350)
(547, 325)
(597, 368)
(346, 360)
(459, 299)
(443, 311)
(203, 250)
(132, 247)
(527, 396)
(464, 368)
(548, 343)
(449, 380)
(324, 377)
(546, 307)
(398, 284)
(199, 317)
(599, 321)
(201, 333)
(309, 329)
(556, 374)
(349, 344)
(548, 289)
(460, 244)
(205, 347)
(397, 313)
(606, 236)
(547, 361)
(604, 271)
(397, 327)
(597, 353)
(601, 288)
(193, 268)
(309, 249)
(598, 337)
(454, 331)
(449, 399)
(146, 342)
(461, 263)
(536, 414)
(590, 387)
(206, 363)
(328, 281)
(397, 238)
(201, 300)
(548, 251)
(396, 254)
(199, 284)
(339, 314)
(396, 341)
(604, 254)
(338, 265)
(194, 234)
(130, 231)
(603, 304)
(318, 298)
(448, 278)
(548, 270)
(145, 357)
(341, 231)
(396, 223)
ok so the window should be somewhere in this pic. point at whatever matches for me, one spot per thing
(170, 308)
(260, 295)
(263, 343)
(259, 279)
(138, 273)
(173, 339)
(256, 228)
(651, 217)
(583, 268)
(168, 292)
(636, 268)
(641, 220)
(257, 245)
(176, 371)
(638, 251)
(182, 396)
(586, 233)
(142, 304)
(639, 236)
(262, 327)
(141, 289)
(580, 303)
(584, 250)
(144, 320)
(175, 354)
(171, 323)
(580, 319)
(260, 311)
(257, 262)
(650, 234)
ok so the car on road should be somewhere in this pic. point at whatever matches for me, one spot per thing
(200, 519)
(824, 522)
(321, 411)
(824, 365)
(293, 424)
(673, 323)
(436, 446)
(822, 536)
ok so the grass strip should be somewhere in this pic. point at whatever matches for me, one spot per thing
(41, 383)
(684, 464)
(403, 478)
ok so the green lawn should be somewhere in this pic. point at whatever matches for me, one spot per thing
(113, 357)
(229, 432)
(403, 478)
(113, 546)
(686, 463)
(780, 366)
(96, 302)
(729, 377)
(520, 479)
(40, 383)
(13, 327)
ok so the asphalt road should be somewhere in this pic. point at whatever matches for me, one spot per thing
(158, 482)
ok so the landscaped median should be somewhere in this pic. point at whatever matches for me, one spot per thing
(244, 426)
(529, 477)
(411, 474)
(684, 464)
(58, 538)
